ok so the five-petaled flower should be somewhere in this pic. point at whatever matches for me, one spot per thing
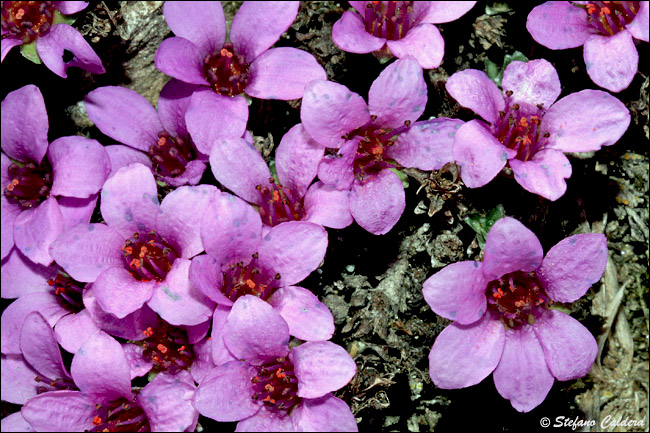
(502, 320)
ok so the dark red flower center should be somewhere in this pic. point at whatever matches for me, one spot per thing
(26, 20)
(167, 348)
(276, 386)
(226, 71)
(148, 257)
(120, 415)
(516, 297)
(388, 19)
(250, 279)
(609, 18)
(68, 291)
(30, 183)
(279, 204)
(170, 155)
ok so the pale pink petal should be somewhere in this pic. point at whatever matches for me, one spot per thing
(349, 34)
(267, 421)
(202, 23)
(558, 25)
(612, 61)
(15, 422)
(10, 212)
(181, 59)
(474, 90)
(423, 42)
(337, 171)
(40, 349)
(321, 367)
(202, 360)
(377, 203)
(70, 7)
(206, 275)
(445, 11)
(510, 247)
(60, 411)
(21, 276)
(167, 402)
(77, 211)
(173, 102)
(119, 293)
(138, 366)
(327, 206)
(544, 174)
(121, 156)
(7, 45)
(296, 160)
(18, 384)
(79, 165)
(220, 353)
(72, 330)
(60, 38)
(36, 229)
(307, 317)
(535, 82)
(639, 25)
(24, 124)
(327, 413)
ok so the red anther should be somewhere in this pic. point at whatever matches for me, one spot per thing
(135, 263)
(180, 349)
(97, 420)
(277, 276)
(276, 196)
(148, 332)
(535, 120)
(162, 141)
(269, 399)
(20, 14)
(508, 93)
(605, 11)
(50, 282)
(255, 379)
(250, 283)
(143, 251)
(407, 123)
(162, 348)
(269, 387)
(523, 122)
(590, 8)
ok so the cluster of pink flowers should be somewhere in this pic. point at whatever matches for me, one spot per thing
(196, 293)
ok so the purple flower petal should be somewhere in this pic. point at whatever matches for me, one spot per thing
(191, 176)
(327, 206)
(225, 395)
(378, 202)
(21, 276)
(639, 25)
(282, 73)
(202, 360)
(522, 375)
(293, 249)
(220, 353)
(349, 34)
(258, 25)
(172, 104)
(10, 212)
(24, 125)
(612, 61)
(474, 90)
(558, 25)
(36, 229)
(7, 45)
(77, 211)
(569, 347)
(533, 83)
(15, 422)
(70, 7)
(337, 171)
(267, 421)
(60, 411)
(206, 275)
(18, 384)
(60, 38)
(565, 121)
(167, 402)
(573, 265)
(423, 42)
(544, 174)
(510, 247)
(122, 156)
(321, 367)
(119, 294)
(457, 292)
(444, 12)
(181, 59)
(202, 23)
(254, 331)
(327, 413)
(426, 145)
(124, 115)
(330, 110)
(479, 154)
(40, 349)
(138, 365)
(72, 330)
(296, 160)
(79, 165)
(399, 94)
(86, 250)
(464, 355)
(129, 200)
(307, 317)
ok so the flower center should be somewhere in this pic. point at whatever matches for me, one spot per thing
(47, 385)
(30, 183)
(250, 279)
(170, 155)
(279, 204)
(168, 348)
(120, 415)
(388, 19)
(609, 18)
(516, 297)
(226, 71)
(26, 20)
(519, 129)
(68, 291)
(276, 386)
(148, 257)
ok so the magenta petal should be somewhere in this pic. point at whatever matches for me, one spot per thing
(444, 12)
(349, 34)
(39, 347)
(533, 83)
(77, 211)
(206, 275)
(202, 23)
(522, 375)
(36, 229)
(327, 206)
(101, 352)
(225, 395)
(121, 156)
(191, 176)
(79, 165)
(72, 330)
(558, 25)
(565, 121)
(124, 115)
(220, 353)
(399, 94)
(573, 265)
(24, 124)
(296, 160)
(639, 25)
(7, 45)
(15, 422)
(378, 202)
(474, 90)
(337, 171)
(258, 25)
(10, 212)
(60, 38)
(423, 42)
(267, 421)
(86, 250)
(293, 249)
(307, 317)
(173, 102)
(510, 247)
(612, 61)
(464, 355)
(70, 7)
(479, 154)
(231, 230)
(569, 347)
(457, 292)
(21, 276)
(18, 384)
(330, 110)
(167, 402)
(544, 174)
(254, 331)
(60, 411)
(321, 367)
(282, 73)
(426, 145)
(181, 59)
(327, 413)
(202, 360)
(119, 293)
(138, 365)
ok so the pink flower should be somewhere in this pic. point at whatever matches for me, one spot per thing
(503, 323)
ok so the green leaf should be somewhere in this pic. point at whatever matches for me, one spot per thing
(497, 8)
(151, 376)
(509, 58)
(482, 224)
(402, 176)
(29, 52)
(59, 18)
(495, 73)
